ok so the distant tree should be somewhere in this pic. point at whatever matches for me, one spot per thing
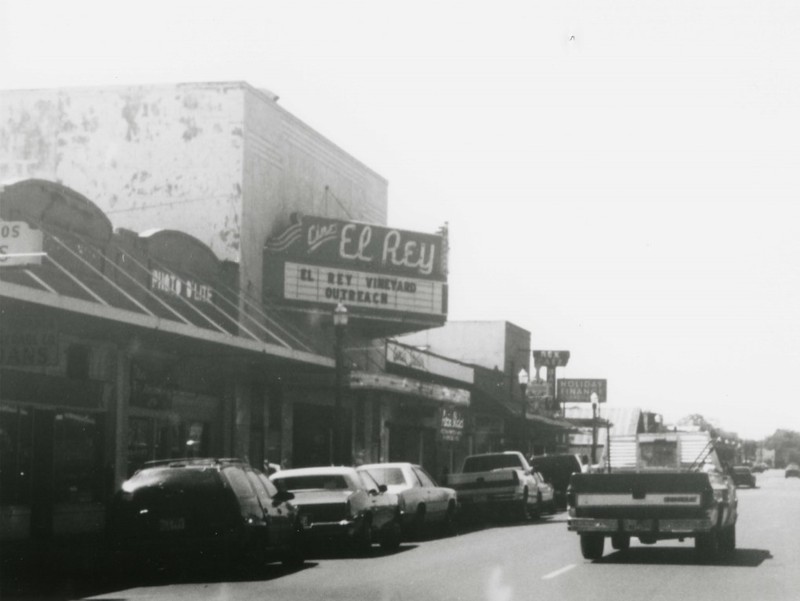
(786, 444)
(699, 422)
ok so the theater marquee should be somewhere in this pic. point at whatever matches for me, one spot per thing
(377, 269)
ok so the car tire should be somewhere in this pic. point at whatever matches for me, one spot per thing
(621, 542)
(592, 546)
(390, 537)
(522, 513)
(418, 525)
(449, 524)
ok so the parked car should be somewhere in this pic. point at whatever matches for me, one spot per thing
(338, 503)
(558, 469)
(759, 468)
(190, 510)
(424, 504)
(743, 476)
(792, 471)
(546, 493)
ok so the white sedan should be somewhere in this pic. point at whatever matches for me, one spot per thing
(425, 504)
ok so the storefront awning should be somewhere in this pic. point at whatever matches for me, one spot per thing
(84, 268)
(360, 380)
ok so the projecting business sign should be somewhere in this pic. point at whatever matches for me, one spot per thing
(581, 391)
(327, 261)
(20, 244)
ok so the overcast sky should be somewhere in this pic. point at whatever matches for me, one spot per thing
(620, 178)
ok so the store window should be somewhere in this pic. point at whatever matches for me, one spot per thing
(16, 451)
(78, 362)
(77, 458)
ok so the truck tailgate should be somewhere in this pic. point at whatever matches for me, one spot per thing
(618, 495)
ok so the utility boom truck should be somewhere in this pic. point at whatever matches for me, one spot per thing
(657, 487)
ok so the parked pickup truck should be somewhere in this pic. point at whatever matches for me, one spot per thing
(497, 481)
(657, 487)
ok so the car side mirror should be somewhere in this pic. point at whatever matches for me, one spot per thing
(382, 488)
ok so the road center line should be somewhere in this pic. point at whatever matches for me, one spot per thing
(558, 572)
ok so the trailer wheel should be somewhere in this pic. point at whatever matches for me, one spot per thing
(592, 546)
(621, 542)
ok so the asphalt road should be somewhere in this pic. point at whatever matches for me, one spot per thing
(538, 560)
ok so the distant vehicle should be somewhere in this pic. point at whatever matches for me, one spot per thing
(492, 482)
(188, 510)
(424, 504)
(558, 469)
(339, 503)
(792, 471)
(743, 476)
(759, 467)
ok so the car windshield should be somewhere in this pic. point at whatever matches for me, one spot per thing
(387, 475)
(314, 482)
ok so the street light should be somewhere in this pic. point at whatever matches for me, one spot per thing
(523, 379)
(594, 399)
(340, 319)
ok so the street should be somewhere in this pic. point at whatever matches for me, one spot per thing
(541, 559)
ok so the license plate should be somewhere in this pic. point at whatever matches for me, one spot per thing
(639, 525)
(172, 524)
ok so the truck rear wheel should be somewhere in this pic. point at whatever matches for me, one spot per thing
(707, 546)
(727, 540)
(592, 545)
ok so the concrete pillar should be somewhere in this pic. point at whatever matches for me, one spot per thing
(287, 426)
(242, 421)
(120, 417)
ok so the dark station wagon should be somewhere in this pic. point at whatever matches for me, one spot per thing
(190, 511)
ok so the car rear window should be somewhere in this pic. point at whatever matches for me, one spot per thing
(490, 462)
(204, 479)
(326, 482)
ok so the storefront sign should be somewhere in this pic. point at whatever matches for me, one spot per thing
(390, 383)
(360, 246)
(581, 391)
(28, 343)
(412, 358)
(19, 244)
(363, 289)
(550, 358)
(451, 424)
(173, 285)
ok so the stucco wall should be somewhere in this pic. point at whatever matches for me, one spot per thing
(290, 167)
(148, 156)
(220, 161)
(486, 343)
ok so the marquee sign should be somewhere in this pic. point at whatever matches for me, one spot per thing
(327, 261)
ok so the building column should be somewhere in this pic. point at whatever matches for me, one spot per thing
(287, 426)
(120, 417)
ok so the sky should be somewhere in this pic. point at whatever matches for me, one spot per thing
(620, 178)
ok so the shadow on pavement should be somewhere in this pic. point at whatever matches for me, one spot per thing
(741, 558)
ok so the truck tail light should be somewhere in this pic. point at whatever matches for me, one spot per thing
(570, 497)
